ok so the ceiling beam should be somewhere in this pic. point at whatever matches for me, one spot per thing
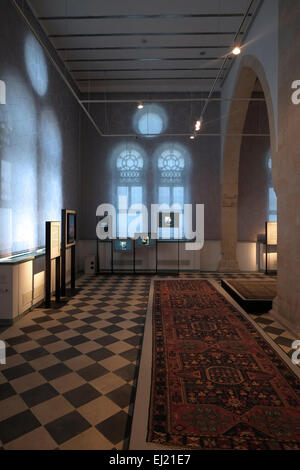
(140, 59)
(116, 48)
(139, 79)
(145, 70)
(137, 17)
(168, 100)
(184, 33)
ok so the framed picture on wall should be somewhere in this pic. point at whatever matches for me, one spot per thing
(69, 227)
(168, 220)
(123, 245)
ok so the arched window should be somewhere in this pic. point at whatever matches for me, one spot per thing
(272, 198)
(129, 166)
(171, 165)
(172, 168)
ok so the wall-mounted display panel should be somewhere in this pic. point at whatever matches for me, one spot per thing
(69, 227)
(271, 228)
(54, 240)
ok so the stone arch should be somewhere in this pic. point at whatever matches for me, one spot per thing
(249, 71)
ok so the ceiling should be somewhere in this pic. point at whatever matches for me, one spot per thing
(138, 45)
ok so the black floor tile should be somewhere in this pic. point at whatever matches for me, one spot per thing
(91, 319)
(111, 329)
(74, 311)
(58, 329)
(43, 319)
(82, 395)
(106, 340)
(17, 371)
(284, 341)
(10, 351)
(16, 426)
(17, 340)
(84, 329)
(34, 354)
(6, 391)
(100, 354)
(134, 340)
(121, 396)
(115, 427)
(140, 320)
(31, 329)
(53, 372)
(67, 354)
(92, 372)
(70, 425)
(264, 321)
(273, 330)
(138, 329)
(119, 312)
(48, 340)
(39, 394)
(127, 373)
(67, 319)
(131, 354)
(76, 340)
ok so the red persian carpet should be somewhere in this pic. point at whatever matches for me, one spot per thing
(216, 382)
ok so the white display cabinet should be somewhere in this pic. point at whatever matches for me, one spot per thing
(16, 288)
(22, 285)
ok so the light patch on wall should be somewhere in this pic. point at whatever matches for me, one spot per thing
(2, 92)
(5, 231)
(5, 180)
(128, 162)
(36, 65)
(50, 174)
(150, 121)
(172, 168)
(18, 168)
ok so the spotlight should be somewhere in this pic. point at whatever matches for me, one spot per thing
(198, 125)
(236, 50)
(192, 137)
(140, 105)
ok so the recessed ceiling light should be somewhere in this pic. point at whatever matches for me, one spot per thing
(192, 137)
(140, 106)
(236, 50)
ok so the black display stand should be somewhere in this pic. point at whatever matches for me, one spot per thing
(64, 246)
(49, 303)
(168, 271)
(145, 247)
(156, 270)
(98, 260)
(123, 271)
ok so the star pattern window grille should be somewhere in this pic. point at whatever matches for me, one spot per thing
(130, 165)
(171, 165)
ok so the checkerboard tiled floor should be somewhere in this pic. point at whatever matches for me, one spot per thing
(277, 332)
(70, 377)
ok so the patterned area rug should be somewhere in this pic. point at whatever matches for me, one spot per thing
(216, 382)
(251, 289)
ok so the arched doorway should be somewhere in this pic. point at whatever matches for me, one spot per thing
(250, 71)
